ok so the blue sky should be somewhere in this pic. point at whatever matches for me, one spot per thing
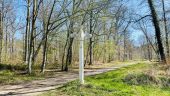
(20, 12)
(140, 8)
(134, 5)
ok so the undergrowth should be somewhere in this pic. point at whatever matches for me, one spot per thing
(127, 81)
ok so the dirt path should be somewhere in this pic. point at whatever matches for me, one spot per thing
(39, 86)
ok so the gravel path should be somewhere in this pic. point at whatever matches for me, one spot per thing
(37, 87)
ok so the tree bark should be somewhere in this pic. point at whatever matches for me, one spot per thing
(70, 40)
(1, 34)
(91, 41)
(31, 45)
(166, 29)
(27, 32)
(6, 41)
(157, 31)
(46, 31)
(69, 49)
(1, 29)
(124, 46)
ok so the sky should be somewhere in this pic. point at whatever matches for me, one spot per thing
(141, 9)
(20, 12)
(134, 5)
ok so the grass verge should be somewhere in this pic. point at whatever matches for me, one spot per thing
(15, 74)
(111, 84)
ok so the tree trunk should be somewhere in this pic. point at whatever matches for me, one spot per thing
(6, 43)
(166, 29)
(86, 60)
(44, 55)
(124, 46)
(69, 49)
(69, 55)
(46, 31)
(27, 33)
(12, 47)
(63, 57)
(149, 51)
(1, 29)
(104, 45)
(44, 48)
(91, 42)
(31, 45)
(1, 34)
(157, 31)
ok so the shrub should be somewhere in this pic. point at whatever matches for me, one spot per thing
(165, 82)
(140, 79)
(146, 79)
(12, 67)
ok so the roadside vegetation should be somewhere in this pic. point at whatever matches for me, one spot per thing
(135, 80)
(15, 74)
(48, 39)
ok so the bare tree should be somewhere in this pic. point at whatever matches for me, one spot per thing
(27, 33)
(32, 34)
(1, 27)
(46, 29)
(157, 30)
(165, 28)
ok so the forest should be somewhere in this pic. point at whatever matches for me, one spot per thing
(122, 44)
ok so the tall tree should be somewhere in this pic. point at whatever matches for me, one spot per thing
(91, 41)
(69, 43)
(165, 28)
(27, 33)
(157, 31)
(1, 27)
(1, 33)
(35, 10)
(46, 31)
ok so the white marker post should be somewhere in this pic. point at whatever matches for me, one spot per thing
(81, 56)
(81, 52)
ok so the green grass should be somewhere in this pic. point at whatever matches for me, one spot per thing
(110, 84)
(11, 77)
(15, 74)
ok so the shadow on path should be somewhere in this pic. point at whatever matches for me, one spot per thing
(39, 86)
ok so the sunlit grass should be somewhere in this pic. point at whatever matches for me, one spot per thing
(110, 84)
(10, 77)
(16, 73)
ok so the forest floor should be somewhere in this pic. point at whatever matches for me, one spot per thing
(35, 87)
